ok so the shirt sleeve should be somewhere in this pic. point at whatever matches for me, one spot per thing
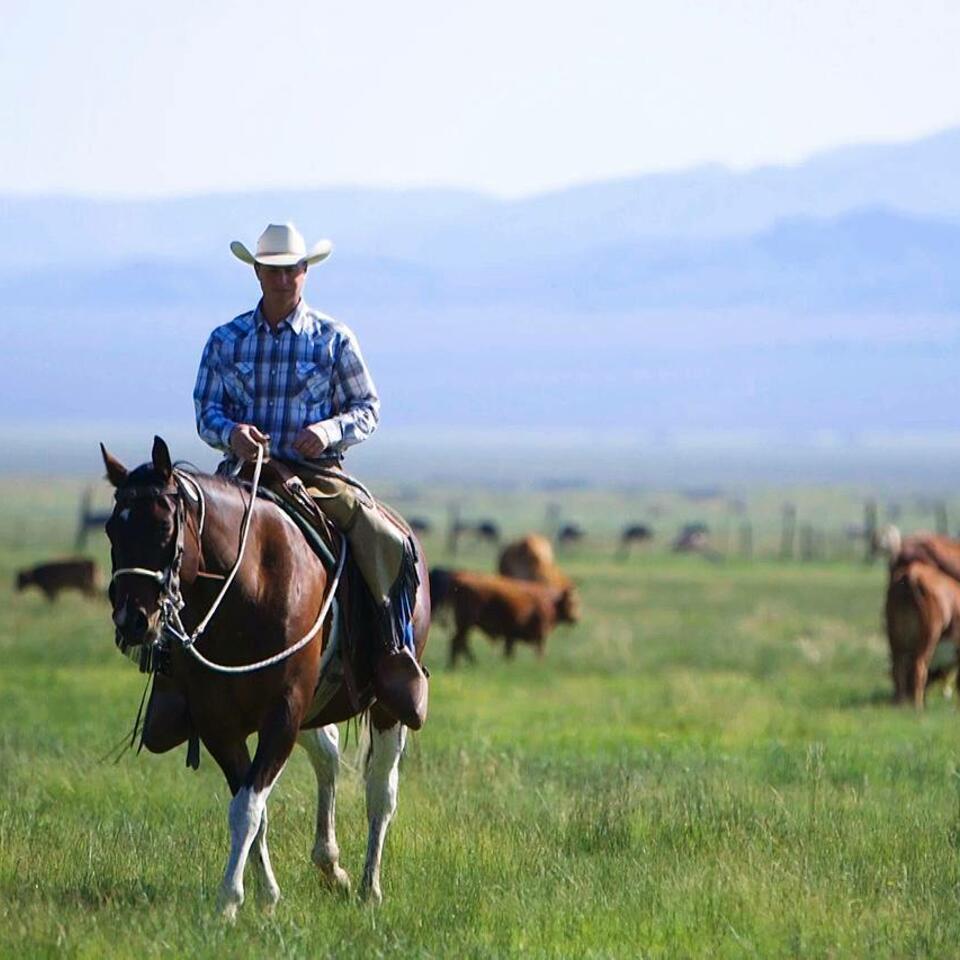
(213, 425)
(354, 398)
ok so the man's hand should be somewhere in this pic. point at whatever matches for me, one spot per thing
(311, 441)
(245, 439)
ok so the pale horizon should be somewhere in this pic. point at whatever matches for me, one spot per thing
(386, 187)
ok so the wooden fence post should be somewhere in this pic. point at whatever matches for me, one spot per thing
(788, 531)
(872, 546)
(746, 540)
(453, 531)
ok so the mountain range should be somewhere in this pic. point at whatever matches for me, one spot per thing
(820, 296)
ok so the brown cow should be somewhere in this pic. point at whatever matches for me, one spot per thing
(51, 578)
(930, 548)
(503, 607)
(531, 558)
(923, 620)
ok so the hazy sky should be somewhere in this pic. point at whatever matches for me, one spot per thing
(506, 95)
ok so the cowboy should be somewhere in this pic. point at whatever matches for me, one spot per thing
(292, 380)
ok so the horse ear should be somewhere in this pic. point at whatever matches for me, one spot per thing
(161, 457)
(116, 471)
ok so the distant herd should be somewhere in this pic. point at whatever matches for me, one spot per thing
(530, 595)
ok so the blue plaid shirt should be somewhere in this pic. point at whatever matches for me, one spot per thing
(309, 373)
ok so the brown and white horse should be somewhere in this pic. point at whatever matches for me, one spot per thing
(174, 540)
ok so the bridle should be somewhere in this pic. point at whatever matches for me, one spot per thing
(171, 598)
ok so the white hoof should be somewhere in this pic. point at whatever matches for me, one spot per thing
(228, 902)
(228, 912)
(267, 900)
(371, 893)
(337, 879)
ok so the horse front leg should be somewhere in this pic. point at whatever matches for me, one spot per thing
(234, 760)
(382, 776)
(323, 748)
(247, 815)
(268, 890)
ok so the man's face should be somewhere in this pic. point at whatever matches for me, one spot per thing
(282, 283)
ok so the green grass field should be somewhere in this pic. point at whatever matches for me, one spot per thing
(706, 766)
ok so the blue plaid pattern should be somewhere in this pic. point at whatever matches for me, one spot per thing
(310, 372)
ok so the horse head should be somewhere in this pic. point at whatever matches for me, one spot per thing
(144, 530)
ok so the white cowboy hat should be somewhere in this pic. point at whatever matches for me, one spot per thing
(281, 245)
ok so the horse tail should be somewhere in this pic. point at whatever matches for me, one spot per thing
(364, 753)
(364, 743)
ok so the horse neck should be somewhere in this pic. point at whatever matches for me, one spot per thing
(224, 510)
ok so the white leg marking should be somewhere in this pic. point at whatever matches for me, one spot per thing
(246, 818)
(267, 888)
(382, 776)
(323, 748)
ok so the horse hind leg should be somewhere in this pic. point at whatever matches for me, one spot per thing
(382, 775)
(323, 748)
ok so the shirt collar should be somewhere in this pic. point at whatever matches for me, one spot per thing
(295, 320)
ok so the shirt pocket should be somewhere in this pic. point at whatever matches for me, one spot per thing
(313, 390)
(238, 381)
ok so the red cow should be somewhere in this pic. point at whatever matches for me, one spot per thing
(503, 607)
(51, 578)
(923, 622)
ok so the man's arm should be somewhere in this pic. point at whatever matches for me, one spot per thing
(354, 397)
(213, 425)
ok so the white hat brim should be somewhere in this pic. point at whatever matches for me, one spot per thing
(319, 251)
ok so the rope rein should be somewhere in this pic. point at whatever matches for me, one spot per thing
(283, 654)
(171, 602)
(244, 531)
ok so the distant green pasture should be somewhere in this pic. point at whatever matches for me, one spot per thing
(706, 766)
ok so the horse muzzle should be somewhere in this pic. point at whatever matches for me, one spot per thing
(135, 627)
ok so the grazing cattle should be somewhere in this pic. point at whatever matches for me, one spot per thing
(531, 558)
(570, 533)
(483, 530)
(930, 548)
(634, 533)
(923, 627)
(486, 530)
(440, 580)
(693, 538)
(420, 525)
(527, 559)
(74, 574)
(502, 608)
